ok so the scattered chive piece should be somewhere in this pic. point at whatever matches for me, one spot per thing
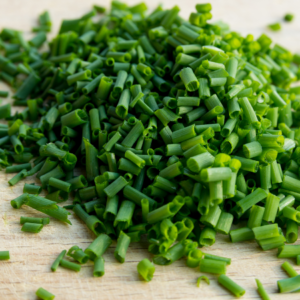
(57, 260)
(43, 221)
(213, 266)
(289, 285)
(288, 17)
(3, 94)
(289, 269)
(76, 253)
(43, 294)
(261, 290)
(203, 277)
(99, 267)
(70, 265)
(275, 26)
(4, 255)
(219, 258)
(230, 285)
(146, 269)
(32, 227)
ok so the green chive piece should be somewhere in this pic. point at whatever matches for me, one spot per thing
(146, 269)
(57, 260)
(203, 277)
(32, 227)
(4, 255)
(43, 294)
(230, 285)
(261, 290)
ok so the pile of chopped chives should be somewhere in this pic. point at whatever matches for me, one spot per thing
(178, 128)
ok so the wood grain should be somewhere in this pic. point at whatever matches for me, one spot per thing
(32, 255)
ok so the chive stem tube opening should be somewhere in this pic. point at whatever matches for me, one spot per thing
(146, 269)
(99, 267)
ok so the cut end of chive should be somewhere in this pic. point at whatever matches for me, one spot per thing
(192, 86)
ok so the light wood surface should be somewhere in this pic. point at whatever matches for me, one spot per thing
(32, 255)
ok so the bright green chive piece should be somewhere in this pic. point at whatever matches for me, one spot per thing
(203, 277)
(43, 294)
(289, 269)
(288, 251)
(265, 232)
(212, 266)
(146, 269)
(174, 253)
(251, 199)
(219, 258)
(194, 257)
(256, 216)
(261, 290)
(275, 26)
(189, 79)
(241, 234)
(4, 255)
(289, 285)
(230, 285)
(291, 231)
(271, 208)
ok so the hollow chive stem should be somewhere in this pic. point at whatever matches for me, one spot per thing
(212, 266)
(56, 263)
(146, 269)
(99, 267)
(230, 285)
(122, 246)
(174, 253)
(43, 221)
(261, 290)
(76, 253)
(115, 186)
(289, 285)
(32, 227)
(289, 269)
(288, 251)
(21, 175)
(70, 265)
(98, 246)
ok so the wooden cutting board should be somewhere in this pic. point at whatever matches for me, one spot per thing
(32, 255)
